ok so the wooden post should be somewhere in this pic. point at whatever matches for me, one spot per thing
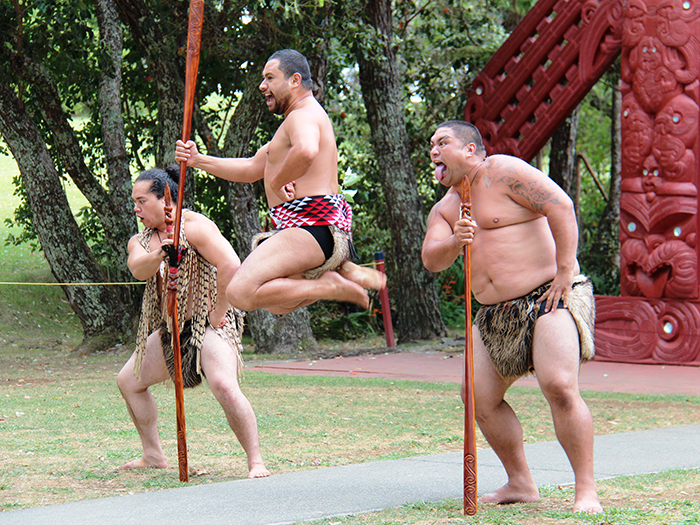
(386, 308)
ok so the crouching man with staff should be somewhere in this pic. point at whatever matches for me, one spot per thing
(210, 328)
(537, 312)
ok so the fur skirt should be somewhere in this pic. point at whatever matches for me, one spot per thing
(507, 328)
(190, 352)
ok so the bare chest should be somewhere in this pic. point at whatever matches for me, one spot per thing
(278, 147)
(496, 209)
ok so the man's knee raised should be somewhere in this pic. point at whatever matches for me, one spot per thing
(239, 298)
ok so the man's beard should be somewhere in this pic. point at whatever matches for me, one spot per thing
(280, 106)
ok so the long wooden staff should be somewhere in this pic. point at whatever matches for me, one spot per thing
(194, 38)
(469, 415)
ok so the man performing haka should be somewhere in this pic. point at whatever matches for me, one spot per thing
(299, 167)
(210, 330)
(537, 312)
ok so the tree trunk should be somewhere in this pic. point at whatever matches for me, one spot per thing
(118, 227)
(318, 61)
(116, 158)
(271, 333)
(167, 67)
(98, 307)
(562, 158)
(606, 248)
(413, 292)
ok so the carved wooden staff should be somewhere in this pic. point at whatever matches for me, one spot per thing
(469, 415)
(194, 38)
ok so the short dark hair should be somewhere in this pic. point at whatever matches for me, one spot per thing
(291, 61)
(159, 177)
(466, 132)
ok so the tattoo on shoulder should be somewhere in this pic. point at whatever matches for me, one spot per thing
(434, 212)
(537, 193)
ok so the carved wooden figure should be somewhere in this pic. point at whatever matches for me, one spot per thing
(557, 53)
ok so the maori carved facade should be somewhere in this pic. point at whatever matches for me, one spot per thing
(546, 67)
(541, 73)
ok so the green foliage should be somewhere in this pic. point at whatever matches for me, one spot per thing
(22, 218)
(439, 46)
(452, 287)
(594, 141)
(343, 322)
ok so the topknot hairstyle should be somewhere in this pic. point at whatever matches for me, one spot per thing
(159, 177)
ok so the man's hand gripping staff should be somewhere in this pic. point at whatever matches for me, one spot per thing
(175, 255)
(470, 485)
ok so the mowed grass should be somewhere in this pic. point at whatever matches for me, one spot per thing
(30, 314)
(65, 427)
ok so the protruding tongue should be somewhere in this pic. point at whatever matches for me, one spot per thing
(439, 172)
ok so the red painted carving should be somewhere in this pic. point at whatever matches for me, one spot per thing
(546, 67)
(658, 207)
(534, 81)
(637, 330)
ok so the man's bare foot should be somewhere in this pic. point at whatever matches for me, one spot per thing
(258, 470)
(512, 494)
(365, 277)
(142, 463)
(342, 289)
(587, 502)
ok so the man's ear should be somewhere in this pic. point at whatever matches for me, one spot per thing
(296, 79)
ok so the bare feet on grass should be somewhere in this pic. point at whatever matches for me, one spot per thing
(510, 493)
(141, 462)
(587, 502)
(365, 277)
(258, 470)
(341, 289)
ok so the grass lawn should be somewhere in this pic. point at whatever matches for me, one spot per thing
(30, 314)
(65, 428)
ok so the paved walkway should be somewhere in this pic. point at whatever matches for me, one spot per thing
(447, 367)
(326, 492)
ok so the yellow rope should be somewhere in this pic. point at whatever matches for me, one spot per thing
(373, 263)
(70, 284)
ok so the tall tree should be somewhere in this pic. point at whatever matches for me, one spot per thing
(98, 307)
(603, 255)
(562, 158)
(414, 287)
(114, 139)
(38, 131)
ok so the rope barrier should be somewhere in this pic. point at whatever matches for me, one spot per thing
(69, 284)
(373, 264)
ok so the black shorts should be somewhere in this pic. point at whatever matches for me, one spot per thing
(323, 237)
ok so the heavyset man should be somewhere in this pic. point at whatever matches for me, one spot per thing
(537, 312)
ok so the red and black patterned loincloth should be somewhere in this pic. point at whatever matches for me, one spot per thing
(321, 210)
(318, 210)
